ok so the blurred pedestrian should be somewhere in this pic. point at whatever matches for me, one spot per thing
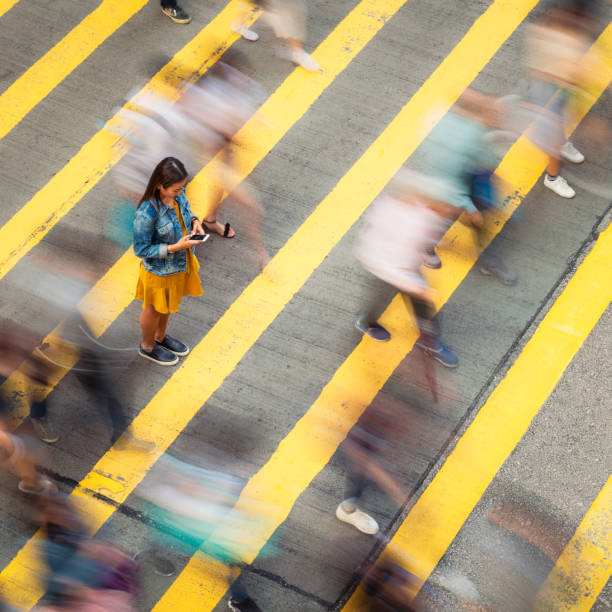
(287, 18)
(195, 506)
(363, 451)
(168, 269)
(84, 575)
(399, 228)
(171, 9)
(555, 62)
(461, 157)
(59, 283)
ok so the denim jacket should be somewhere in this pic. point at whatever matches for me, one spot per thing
(155, 227)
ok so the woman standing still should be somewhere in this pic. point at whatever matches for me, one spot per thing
(169, 269)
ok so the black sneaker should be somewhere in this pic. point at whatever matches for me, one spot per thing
(246, 605)
(374, 330)
(177, 14)
(159, 355)
(174, 346)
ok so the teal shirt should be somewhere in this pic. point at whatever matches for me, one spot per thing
(454, 151)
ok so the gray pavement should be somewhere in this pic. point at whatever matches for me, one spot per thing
(561, 463)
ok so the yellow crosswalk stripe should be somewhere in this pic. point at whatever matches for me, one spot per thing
(445, 505)
(239, 328)
(31, 223)
(114, 292)
(315, 438)
(53, 67)
(585, 565)
(7, 5)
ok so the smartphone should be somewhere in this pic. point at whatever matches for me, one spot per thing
(201, 237)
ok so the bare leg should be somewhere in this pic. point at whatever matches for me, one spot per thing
(162, 323)
(149, 323)
(554, 166)
(210, 221)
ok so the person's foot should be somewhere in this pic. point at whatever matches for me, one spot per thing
(244, 605)
(559, 185)
(245, 32)
(44, 430)
(177, 14)
(359, 519)
(301, 58)
(439, 351)
(571, 153)
(431, 260)
(496, 267)
(374, 330)
(159, 355)
(215, 226)
(130, 443)
(42, 486)
(173, 345)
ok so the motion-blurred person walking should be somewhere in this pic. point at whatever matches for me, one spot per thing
(287, 18)
(57, 283)
(84, 575)
(399, 228)
(362, 450)
(168, 268)
(555, 61)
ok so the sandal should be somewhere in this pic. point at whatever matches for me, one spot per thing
(226, 229)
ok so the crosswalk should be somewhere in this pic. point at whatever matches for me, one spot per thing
(304, 452)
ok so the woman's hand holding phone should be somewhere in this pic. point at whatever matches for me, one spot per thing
(187, 242)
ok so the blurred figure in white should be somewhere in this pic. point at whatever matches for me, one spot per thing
(555, 61)
(287, 18)
(399, 228)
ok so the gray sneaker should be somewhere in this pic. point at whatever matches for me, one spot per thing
(130, 443)
(374, 330)
(44, 431)
(496, 267)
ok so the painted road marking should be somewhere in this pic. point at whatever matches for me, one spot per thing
(310, 445)
(585, 565)
(213, 359)
(114, 292)
(7, 5)
(31, 223)
(439, 513)
(53, 67)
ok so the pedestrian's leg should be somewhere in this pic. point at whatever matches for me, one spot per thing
(210, 220)
(353, 490)
(239, 25)
(238, 592)
(377, 298)
(162, 323)
(168, 3)
(95, 381)
(149, 324)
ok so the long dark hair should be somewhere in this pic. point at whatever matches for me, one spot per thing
(168, 172)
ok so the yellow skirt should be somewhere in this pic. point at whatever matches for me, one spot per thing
(164, 293)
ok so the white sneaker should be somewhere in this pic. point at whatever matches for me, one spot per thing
(571, 153)
(245, 32)
(559, 186)
(305, 61)
(362, 521)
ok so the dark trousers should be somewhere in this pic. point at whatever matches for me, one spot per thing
(95, 379)
(378, 298)
(168, 3)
